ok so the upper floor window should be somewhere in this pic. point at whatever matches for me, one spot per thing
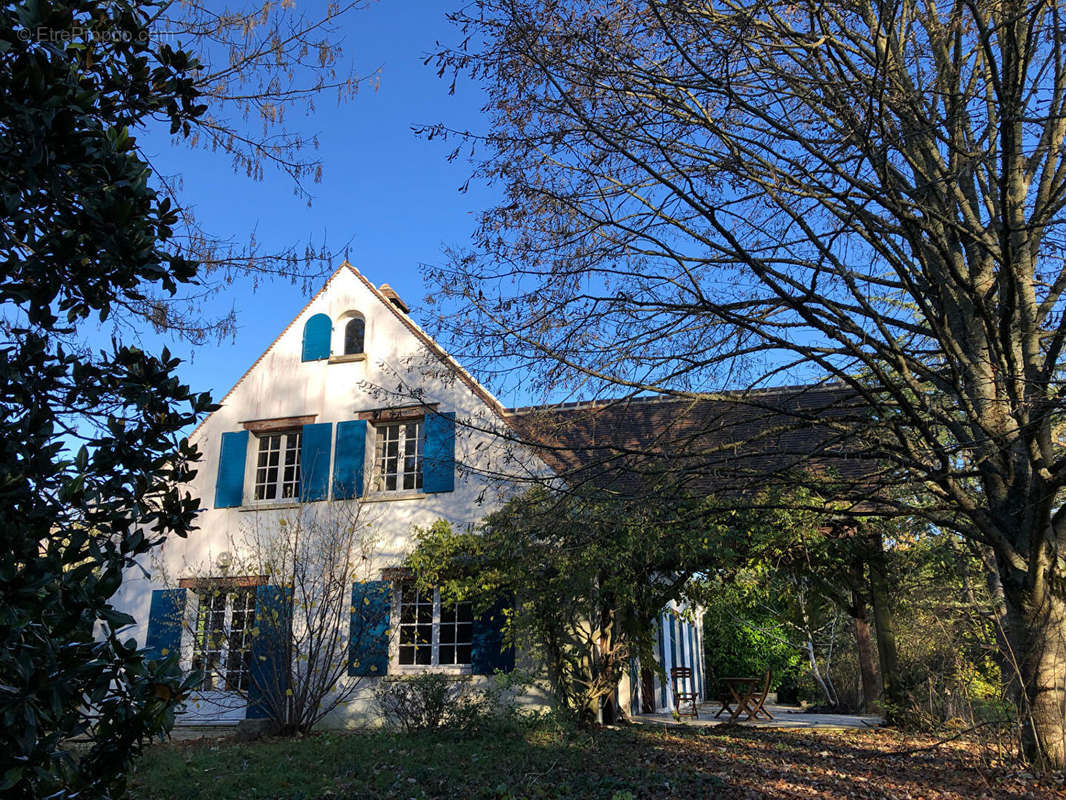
(353, 336)
(433, 633)
(222, 640)
(277, 468)
(398, 459)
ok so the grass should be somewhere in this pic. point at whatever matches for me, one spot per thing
(546, 762)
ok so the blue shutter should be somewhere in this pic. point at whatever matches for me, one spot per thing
(673, 645)
(317, 333)
(368, 642)
(697, 666)
(488, 653)
(314, 461)
(165, 618)
(348, 458)
(269, 670)
(229, 487)
(438, 457)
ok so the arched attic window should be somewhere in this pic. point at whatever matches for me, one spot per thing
(317, 332)
(354, 332)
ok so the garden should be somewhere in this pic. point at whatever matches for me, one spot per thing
(547, 760)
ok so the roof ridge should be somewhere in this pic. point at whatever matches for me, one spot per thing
(678, 398)
(470, 381)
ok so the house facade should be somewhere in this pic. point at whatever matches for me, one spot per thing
(352, 411)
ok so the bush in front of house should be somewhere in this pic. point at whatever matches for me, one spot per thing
(434, 701)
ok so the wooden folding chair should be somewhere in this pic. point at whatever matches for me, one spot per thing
(680, 677)
(759, 699)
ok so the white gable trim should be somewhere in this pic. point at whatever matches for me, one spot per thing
(479, 391)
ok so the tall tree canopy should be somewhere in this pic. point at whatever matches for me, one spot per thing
(90, 443)
(725, 193)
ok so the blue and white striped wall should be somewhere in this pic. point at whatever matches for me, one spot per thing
(678, 643)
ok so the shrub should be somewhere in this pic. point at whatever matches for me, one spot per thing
(419, 702)
(432, 700)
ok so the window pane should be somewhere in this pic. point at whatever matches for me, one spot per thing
(407, 655)
(464, 632)
(447, 654)
(353, 336)
(425, 634)
(425, 614)
(462, 654)
(424, 656)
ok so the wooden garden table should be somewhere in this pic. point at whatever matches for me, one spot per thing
(743, 691)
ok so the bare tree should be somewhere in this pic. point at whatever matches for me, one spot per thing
(290, 661)
(259, 64)
(730, 193)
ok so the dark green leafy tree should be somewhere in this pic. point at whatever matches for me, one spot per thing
(590, 574)
(90, 444)
(742, 633)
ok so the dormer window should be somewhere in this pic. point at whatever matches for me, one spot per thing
(353, 336)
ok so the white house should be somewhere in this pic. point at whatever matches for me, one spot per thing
(351, 403)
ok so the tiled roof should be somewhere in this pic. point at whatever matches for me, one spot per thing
(726, 444)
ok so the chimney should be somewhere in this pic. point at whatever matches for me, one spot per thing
(394, 298)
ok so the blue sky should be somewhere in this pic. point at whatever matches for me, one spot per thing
(391, 194)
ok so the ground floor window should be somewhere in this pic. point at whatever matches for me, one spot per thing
(222, 639)
(432, 632)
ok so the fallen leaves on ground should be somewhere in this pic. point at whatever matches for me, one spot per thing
(622, 764)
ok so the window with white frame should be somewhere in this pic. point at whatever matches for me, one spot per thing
(433, 633)
(277, 466)
(398, 456)
(222, 639)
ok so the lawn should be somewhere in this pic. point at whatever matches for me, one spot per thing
(640, 761)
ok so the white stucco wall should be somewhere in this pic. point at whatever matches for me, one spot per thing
(399, 369)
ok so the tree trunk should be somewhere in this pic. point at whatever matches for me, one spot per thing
(607, 704)
(1037, 630)
(859, 610)
(871, 681)
(812, 662)
(884, 629)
